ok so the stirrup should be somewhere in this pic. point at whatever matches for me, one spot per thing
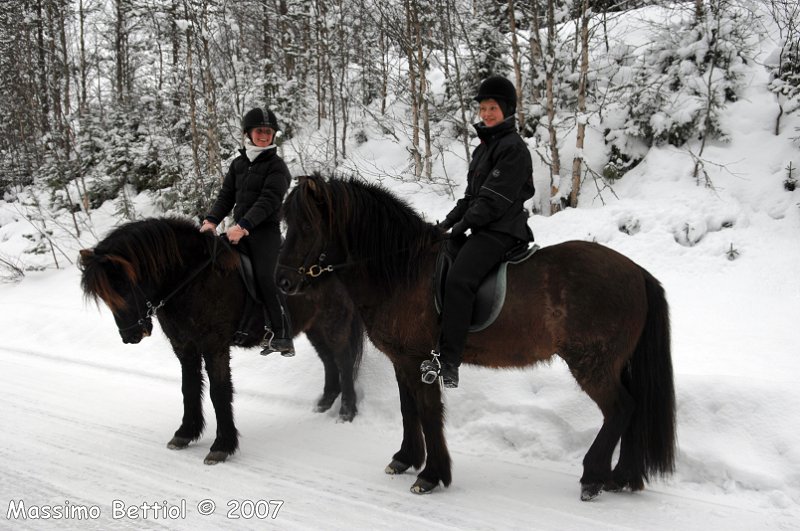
(430, 368)
(266, 342)
(271, 344)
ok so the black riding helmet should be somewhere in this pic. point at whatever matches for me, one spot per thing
(259, 117)
(501, 90)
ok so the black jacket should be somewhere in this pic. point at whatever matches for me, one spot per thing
(254, 190)
(499, 181)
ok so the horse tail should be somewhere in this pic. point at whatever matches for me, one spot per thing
(652, 429)
(356, 342)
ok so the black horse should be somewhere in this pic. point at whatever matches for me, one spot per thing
(603, 314)
(165, 267)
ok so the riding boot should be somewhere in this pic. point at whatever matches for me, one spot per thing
(279, 339)
(449, 373)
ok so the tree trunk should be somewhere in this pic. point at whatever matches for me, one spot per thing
(535, 45)
(555, 162)
(412, 85)
(82, 46)
(515, 56)
(214, 165)
(120, 47)
(577, 162)
(192, 104)
(43, 93)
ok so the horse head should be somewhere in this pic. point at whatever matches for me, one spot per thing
(311, 246)
(114, 280)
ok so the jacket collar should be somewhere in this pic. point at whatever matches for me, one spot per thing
(254, 153)
(490, 134)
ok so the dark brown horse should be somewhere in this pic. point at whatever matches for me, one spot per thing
(166, 268)
(603, 314)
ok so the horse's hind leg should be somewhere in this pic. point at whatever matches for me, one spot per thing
(594, 369)
(617, 407)
(345, 364)
(332, 387)
(192, 389)
(627, 474)
(221, 391)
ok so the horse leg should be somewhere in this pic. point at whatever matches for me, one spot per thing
(348, 408)
(332, 388)
(592, 367)
(221, 390)
(192, 389)
(597, 473)
(430, 409)
(626, 474)
(412, 449)
(348, 358)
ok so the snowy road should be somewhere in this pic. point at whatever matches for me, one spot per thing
(84, 429)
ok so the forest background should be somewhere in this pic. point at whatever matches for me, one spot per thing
(104, 99)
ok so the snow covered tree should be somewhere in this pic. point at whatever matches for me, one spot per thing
(690, 72)
(784, 66)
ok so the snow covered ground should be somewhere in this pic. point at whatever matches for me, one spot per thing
(85, 419)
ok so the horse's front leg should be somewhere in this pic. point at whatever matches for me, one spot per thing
(412, 449)
(428, 399)
(192, 388)
(221, 390)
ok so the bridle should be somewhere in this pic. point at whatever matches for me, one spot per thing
(152, 309)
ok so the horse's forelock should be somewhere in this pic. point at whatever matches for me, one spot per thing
(95, 279)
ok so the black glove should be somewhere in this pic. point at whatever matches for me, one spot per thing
(445, 225)
(458, 229)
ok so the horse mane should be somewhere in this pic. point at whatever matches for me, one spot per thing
(379, 230)
(147, 249)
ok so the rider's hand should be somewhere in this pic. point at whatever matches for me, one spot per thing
(458, 229)
(208, 226)
(236, 233)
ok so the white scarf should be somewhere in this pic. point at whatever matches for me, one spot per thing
(253, 151)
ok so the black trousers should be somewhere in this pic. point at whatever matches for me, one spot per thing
(263, 246)
(476, 258)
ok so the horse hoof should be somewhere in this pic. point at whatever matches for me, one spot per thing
(590, 491)
(178, 443)
(347, 414)
(346, 417)
(396, 467)
(323, 406)
(423, 486)
(215, 457)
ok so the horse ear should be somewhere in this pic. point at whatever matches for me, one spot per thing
(86, 255)
(311, 186)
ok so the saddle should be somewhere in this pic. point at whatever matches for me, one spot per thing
(492, 290)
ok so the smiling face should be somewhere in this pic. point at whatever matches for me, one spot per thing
(262, 136)
(490, 112)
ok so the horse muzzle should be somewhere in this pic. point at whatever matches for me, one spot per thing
(133, 335)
